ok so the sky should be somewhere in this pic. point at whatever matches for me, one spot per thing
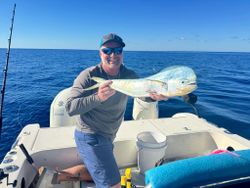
(144, 25)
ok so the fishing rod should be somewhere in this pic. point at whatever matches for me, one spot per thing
(5, 70)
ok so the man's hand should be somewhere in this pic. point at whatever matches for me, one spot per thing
(105, 91)
(158, 97)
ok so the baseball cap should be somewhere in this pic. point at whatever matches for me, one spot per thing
(111, 37)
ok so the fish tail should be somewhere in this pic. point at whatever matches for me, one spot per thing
(97, 79)
(92, 87)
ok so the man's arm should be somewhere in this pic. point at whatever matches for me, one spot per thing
(81, 101)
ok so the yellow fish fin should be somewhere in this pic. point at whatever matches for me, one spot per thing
(98, 79)
(92, 87)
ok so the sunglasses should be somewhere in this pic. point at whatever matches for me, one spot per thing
(109, 51)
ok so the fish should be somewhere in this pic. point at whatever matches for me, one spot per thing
(170, 82)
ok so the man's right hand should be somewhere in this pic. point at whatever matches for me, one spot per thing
(105, 91)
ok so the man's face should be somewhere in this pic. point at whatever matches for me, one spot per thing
(111, 55)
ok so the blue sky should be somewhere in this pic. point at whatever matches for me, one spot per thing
(160, 25)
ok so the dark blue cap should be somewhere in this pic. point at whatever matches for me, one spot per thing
(111, 37)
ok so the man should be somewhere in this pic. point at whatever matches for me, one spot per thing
(101, 111)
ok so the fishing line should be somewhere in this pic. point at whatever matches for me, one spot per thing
(5, 70)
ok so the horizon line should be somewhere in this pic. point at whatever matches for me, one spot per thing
(132, 50)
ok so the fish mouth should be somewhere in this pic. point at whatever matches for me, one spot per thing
(192, 84)
(187, 89)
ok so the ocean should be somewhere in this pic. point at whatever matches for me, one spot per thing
(35, 76)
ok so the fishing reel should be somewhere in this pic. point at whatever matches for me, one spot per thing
(191, 99)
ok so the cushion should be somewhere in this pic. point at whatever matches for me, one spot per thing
(199, 171)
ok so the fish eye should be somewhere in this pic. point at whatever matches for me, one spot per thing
(182, 81)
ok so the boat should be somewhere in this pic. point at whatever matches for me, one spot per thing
(189, 141)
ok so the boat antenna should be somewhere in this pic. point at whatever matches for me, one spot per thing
(5, 70)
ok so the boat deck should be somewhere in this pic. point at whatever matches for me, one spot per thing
(48, 179)
(187, 136)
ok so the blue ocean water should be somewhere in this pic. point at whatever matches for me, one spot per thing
(35, 77)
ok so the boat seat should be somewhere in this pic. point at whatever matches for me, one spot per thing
(199, 171)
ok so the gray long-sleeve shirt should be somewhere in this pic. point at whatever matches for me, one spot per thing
(94, 116)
